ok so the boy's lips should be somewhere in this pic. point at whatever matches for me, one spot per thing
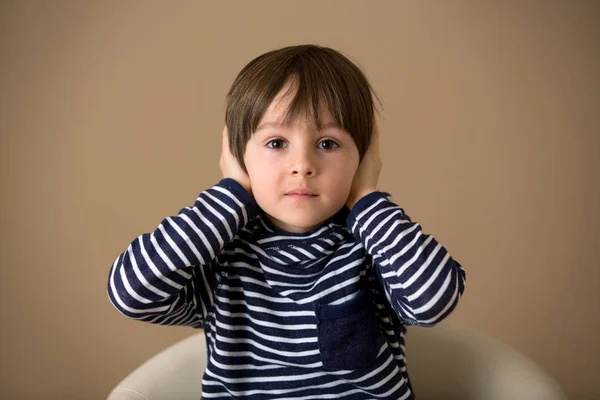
(301, 192)
(301, 196)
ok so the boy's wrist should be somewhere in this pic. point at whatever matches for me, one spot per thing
(244, 185)
(353, 199)
(364, 203)
(236, 187)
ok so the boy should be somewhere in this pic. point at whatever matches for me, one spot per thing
(301, 273)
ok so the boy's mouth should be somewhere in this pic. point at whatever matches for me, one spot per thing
(302, 192)
(301, 196)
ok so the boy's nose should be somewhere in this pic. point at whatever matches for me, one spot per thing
(303, 167)
(303, 164)
(302, 171)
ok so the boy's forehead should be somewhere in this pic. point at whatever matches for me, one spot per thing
(278, 109)
(325, 124)
(276, 119)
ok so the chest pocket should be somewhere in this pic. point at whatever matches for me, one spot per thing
(349, 333)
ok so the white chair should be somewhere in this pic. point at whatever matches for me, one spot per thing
(444, 362)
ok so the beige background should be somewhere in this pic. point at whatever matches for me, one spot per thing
(110, 119)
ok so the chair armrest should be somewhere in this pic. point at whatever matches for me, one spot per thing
(173, 374)
(452, 362)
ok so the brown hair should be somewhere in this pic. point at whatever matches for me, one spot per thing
(319, 75)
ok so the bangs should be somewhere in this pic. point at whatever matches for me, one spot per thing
(312, 94)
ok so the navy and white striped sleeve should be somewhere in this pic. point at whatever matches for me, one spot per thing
(165, 277)
(422, 282)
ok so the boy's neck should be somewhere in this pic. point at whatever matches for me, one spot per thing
(338, 218)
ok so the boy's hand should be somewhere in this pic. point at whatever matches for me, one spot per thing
(230, 168)
(367, 175)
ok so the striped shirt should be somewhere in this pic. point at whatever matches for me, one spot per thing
(314, 315)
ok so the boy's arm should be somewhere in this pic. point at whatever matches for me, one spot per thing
(422, 281)
(165, 277)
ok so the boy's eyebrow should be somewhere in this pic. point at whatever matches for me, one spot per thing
(265, 125)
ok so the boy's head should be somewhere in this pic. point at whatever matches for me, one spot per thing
(300, 117)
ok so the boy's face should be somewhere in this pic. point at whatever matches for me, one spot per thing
(280, 159)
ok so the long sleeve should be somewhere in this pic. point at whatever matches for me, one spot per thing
(422, 282)
(166, 277)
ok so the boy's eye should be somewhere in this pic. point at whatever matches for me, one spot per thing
(278, 144)
(330, 144)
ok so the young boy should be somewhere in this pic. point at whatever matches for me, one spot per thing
(301, 273)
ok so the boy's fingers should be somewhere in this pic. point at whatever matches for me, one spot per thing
(376, 130)
(374, 145)
(225, 138)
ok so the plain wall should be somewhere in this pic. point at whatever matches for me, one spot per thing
(110, 120)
